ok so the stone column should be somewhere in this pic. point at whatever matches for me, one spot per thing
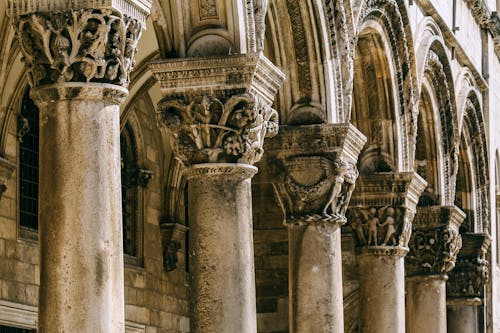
(78, 60)
(466, 284)
(315, 172)
(434, 246)
(381, 215)
(217, 112)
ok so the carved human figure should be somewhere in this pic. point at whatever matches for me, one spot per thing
(389, 221)
(357, 226)
(349, 185)
(373, 223)
(341, 168)
(260, 8)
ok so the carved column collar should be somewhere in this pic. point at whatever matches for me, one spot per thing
(468, 279)
(382, 210)
(218, 110)
(314, 171)
(435, 240)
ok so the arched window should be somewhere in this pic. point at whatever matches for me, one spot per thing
(129, 170)
(28, 134)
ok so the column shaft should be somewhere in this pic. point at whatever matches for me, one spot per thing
(221, 246)
(80, 217)
(462, 319)
(315, 264)
(382, 293)
(426, 304)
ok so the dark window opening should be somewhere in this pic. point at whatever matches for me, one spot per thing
(28, 171)
(129, 191)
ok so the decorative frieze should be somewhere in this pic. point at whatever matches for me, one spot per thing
(382, 210)
(315, 171)
(468, 279)
(84, 45)
(218, 110)
(435, 240)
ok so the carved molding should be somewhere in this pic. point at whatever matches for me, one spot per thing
(172, 238)
(382, 210)
(138, 9)
(218, 110)
(435, 241)
(84, 45)
(469, 278)
(6, 170)
(314, 171)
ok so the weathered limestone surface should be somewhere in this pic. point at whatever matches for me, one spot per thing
(315, 175)
(217, 112)
(466, 286)
(81, 213)
(221, 247)
(381, 214)
(434, 245)
(79, 58)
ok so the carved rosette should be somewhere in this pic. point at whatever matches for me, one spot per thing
(218, 110)
(315, 172)
(382, 211)
(469, 278)
(435, 241)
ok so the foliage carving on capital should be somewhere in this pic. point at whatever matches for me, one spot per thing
(227, 128)
(433, 251)
(471, 273)
(315, 189)
(85, 45)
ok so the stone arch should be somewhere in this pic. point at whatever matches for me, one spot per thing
(474, 143)
(298, 41)
(375, 101)
(391, 15)
(435, 72)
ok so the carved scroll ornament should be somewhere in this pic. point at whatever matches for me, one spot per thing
(86, 45)
(210, 129)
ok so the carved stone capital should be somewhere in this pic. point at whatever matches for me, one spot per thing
(315, 171)
(75, 41)
(6, 170)
(382, 210)
(172, 237)
(435, 240)
(218, 110)
(468, 279)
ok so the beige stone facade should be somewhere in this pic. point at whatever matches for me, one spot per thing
(227, 166)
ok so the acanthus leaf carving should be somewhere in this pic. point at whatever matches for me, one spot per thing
(85, 45)
(223, 128)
